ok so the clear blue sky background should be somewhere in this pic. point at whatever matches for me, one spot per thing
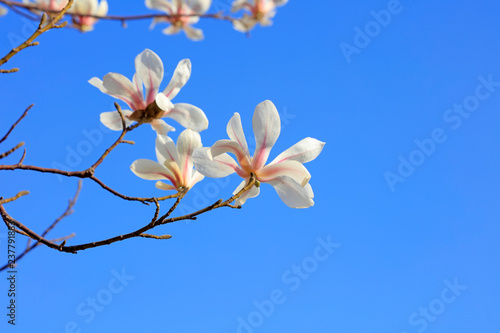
(418, 256)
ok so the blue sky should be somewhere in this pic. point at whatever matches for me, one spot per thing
(404, 233)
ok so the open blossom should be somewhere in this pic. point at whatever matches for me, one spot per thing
(260, 11)
(186, 11)
(150, 106)
(83, 8)
(174, 163)
(285, 173)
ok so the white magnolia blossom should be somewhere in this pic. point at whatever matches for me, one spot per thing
(285, 173)
(259, 11)
(150, 106)
(187, 11)
(174, 163)
(87, 7)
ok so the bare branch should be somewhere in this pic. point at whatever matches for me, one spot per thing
(17, 196)
(10, 151)
(16, 123)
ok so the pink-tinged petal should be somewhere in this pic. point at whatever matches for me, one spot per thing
(292, 169)
(162, 186)
(303, 151)
(193, 33)
(166, 151)
(188, 116)
(161, 127)
(220, 166)
(136, 81)
(238, 5)
(291, 193)
(229, 146)
(244, 24)
(113, 121)
(179, 78)
(266, 127)
(151, 170)
(235, 132)
(163, 102)
(196, 178)
(120, 87)
(149, 69)
(187, 142)
(251, 193)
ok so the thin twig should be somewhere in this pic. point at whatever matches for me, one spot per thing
(10, 151)
(14, 198)
(16, 123)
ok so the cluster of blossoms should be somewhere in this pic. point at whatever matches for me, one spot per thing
(188, 162)
(182, 14)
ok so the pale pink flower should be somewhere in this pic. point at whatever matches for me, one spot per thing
(83, 8)
(259, 11)
(285, 173)
(187, 11)
(150, 106)
(174, 163)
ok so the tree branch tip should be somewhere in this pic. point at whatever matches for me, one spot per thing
(130, 142)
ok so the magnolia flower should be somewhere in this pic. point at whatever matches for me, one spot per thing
(285, 173)
(151, 106)
(186, 11)
(174, 163)
(82, 8)
(261, 11)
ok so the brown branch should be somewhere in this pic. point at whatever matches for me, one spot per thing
(16, 123)
(139, 232)
(43, 26)
(12, 70)
(155, 237)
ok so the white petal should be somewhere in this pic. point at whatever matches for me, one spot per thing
(160, 5)
(266, 128)
(188, 116)
(303, 151)
(235, 132)
(150, 170)
(163, 102)
(162, 186)
(171, 30)
(120, 87)
(199, 6)
(113, 121)
(102, 10)
(193, 33)
(251, 193)
(291, 193)
(220, 166)
(229, 146)
(161, 127)
(179, 78)
(292, 169)
(149, 68)
(187, 142)
(166, 151)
